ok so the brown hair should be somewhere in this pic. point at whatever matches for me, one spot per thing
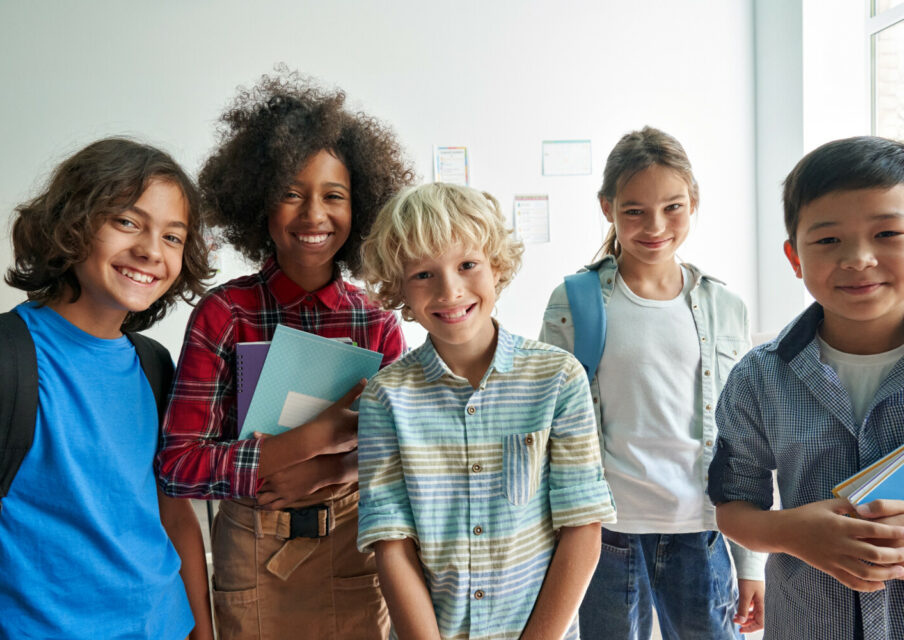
(56, 230)
(632, 154)
(268, 135)
(863, 162)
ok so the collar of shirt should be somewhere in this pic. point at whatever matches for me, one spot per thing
(609, 265)
(333, 295)
(435, 368)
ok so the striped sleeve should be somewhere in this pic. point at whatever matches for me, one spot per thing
(579, 494)
(384, 511)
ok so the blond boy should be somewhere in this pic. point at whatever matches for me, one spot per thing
(482, 488)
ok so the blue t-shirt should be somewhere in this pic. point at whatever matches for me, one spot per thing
(82, 551)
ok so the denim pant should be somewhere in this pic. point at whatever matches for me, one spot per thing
(686, 576)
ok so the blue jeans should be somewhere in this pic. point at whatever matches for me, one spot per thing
(686, 576)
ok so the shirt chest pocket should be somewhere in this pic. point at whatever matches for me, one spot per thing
(524, 461)
(728, 352)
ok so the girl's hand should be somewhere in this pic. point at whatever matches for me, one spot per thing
(751, 605)
(334, 431)
(292, 484)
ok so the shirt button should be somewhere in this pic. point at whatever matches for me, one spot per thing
(695, 306)
(709, 443)
(478, 595)
(564, 320)
(703, 339)
(734, 352)
(476, 468)
(529, 440)
(471, 411)
(596, 400)
(706, 373)
(709, 407)
(608, 280)
(478, 530)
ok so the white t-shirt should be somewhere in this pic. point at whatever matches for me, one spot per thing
(861, 375)
(649, 387)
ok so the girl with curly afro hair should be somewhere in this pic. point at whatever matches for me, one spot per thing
(295, 184)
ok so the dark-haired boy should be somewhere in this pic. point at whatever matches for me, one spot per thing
(89, 545)
(822, 401)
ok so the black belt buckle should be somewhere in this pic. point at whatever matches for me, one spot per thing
(305, 521)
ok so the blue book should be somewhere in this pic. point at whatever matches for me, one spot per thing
(302, 375)
(882, 480)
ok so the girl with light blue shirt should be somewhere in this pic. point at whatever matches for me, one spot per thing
(673, 334)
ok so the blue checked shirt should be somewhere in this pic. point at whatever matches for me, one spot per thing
(481, 478)
(783, 409)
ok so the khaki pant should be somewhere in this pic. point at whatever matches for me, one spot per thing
(270, 588)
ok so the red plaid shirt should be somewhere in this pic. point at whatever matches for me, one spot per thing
(200, 456)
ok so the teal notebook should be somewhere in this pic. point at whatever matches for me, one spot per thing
(303, 374)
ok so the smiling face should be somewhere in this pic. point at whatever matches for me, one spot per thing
(850, 254)
(312, 221)
(135, 258)
(651, 213)
(452, 296)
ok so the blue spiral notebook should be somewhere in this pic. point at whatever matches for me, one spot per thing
(302, 375)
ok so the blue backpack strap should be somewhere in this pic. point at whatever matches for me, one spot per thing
(585, 297)
(18, 396)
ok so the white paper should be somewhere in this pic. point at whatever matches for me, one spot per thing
(450, 164)
(300, 408)
(532, 218)
(567, 158)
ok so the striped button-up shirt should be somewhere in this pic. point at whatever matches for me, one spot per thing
(481, 478)
(783, 409)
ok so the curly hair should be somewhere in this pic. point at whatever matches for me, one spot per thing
(427, 220)
(266, 137)
(56, 230)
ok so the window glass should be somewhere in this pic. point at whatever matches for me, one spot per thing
(888, 67)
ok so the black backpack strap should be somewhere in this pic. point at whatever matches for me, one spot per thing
(18, 396)
(158, 368)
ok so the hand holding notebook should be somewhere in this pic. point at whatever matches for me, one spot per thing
(302, 375)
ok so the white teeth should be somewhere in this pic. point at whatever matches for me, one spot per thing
(313, 239)
(143, 278)
(457, 314)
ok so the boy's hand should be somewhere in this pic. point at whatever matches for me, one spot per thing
(751, 605)
(885, 512)
(292, 484)
(858, 553)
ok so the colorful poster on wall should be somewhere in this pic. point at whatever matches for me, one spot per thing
(567, 158)
(532, 218)
(450, 164)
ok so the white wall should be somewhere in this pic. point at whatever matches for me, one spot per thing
(497, 75)
(812, 86)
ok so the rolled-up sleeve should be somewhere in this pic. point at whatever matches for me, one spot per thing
(384, 511)
(742, 466)
(579, 493)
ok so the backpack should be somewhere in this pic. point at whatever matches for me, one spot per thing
(19, 389)
(588, 313)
